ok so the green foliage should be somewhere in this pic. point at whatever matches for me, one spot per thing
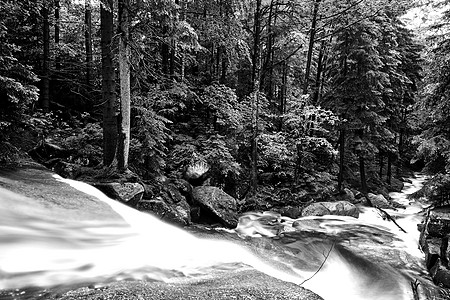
(150, 136)
(222, 101)
(276, 152)
(17, 90)
(86, 145)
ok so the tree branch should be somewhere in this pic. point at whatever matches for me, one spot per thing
(322, 264)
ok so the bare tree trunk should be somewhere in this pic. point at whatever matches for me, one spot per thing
(108, 84)
(57, 32)
(283, 93)
(255, 99)
(45, 94)
(88, 40)
(362, 172)
(320, 63)
(125, 93)
(341, 158)
(380, 173)
(312, 36)
(389, 169)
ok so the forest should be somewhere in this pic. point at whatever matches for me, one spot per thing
(276, 101)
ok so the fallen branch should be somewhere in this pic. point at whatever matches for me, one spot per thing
(414, 286)
(323, 263)
(389, 217)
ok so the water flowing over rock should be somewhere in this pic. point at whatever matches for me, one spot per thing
(340, 208)
(214, 201)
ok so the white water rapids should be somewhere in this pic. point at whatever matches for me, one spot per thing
(335, 257)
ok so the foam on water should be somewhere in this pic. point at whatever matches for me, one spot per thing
(39, 252)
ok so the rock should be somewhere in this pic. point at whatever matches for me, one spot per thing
(396, 185)
(246, 284)
(216, 202)
(127, 192)
(292, 212)
(440, 274)
(340, 208)
(197, 173)
(432, 249)
(378, 200)
(347, 195)
(178, 214)
(439, 222)
(66, 170)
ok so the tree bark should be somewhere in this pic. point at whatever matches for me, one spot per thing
(362, 172)
(282, 94)
(57, 32)
(255, 99)
(312, 35)
(341, 158)
(45, 93)
(320, 63)
(380, 173)
(389, 169)
(125, 93)
(108, 84)
(88, 40)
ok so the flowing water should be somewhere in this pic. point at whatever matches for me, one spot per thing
(336, 257)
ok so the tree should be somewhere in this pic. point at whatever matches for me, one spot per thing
(108, 83)
(123, 147)
(45, 89)
(88, 40)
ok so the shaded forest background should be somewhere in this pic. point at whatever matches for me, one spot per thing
(274, 97)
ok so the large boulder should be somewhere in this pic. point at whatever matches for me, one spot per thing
(177, 214)
(340, 208)
(378, 201)
(126, 192)
(216, 205)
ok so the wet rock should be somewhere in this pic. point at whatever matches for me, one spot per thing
(127, 192)
(432, 249)
(292, 212)
(66, 170)
(340, 208)
(178, 214)
(396, 185)
(440, 274)
(247, 284)
(439, 222)
(378, 200)
(216, 202)
(347, 195)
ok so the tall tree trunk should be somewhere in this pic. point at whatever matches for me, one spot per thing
(341, 158)
(320, 63)
(312, 36)
(57, 33)
(255, 99)
(283, 93)
(400, 150)
(108, 84)
(88, 40)
(362, 172)
(223, 73)
(380, 173)
(45, 93)
(389, 169)
(125, 93)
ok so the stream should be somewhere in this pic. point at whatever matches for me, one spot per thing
(336, 257)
